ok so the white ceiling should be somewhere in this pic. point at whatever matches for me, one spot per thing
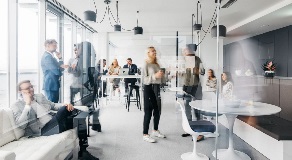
(169, 16)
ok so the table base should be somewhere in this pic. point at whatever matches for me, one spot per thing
(191, 156)
(228, 154)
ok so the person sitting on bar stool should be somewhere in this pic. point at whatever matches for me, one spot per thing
(132, 71)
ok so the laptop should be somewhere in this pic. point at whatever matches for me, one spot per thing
(124, 71)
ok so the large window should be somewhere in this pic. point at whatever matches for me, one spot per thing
(4, 54)
(28, 42)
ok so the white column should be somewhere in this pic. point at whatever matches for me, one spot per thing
(42, 38)
(12, 50)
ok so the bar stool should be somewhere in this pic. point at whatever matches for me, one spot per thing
(137, 99)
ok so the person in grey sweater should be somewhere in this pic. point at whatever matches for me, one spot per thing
(211, 82)
(32, 112)
(153, 76)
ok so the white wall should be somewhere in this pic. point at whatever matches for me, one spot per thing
(209, 57)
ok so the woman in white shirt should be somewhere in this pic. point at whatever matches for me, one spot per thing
(227, 85)
(114, 69)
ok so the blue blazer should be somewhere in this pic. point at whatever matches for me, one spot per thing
(52, 72)
(134, 69)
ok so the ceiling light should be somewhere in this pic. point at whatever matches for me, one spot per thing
(117, 28)
(222, 31)
(90, 16)
(138, 30)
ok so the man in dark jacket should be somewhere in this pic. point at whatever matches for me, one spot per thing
(132, 70)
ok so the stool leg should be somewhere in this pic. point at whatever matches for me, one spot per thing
(129, 98)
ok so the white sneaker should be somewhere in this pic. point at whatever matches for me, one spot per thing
(82, 108)
(158, 134)
(147, 138)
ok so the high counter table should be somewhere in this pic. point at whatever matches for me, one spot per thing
(257, 109)
(105, 77)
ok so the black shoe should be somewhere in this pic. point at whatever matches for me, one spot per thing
(96, 127)
(185, 135)
(87, 156)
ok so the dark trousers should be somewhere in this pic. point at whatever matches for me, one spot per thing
(73, 92)
(99, 85)
(132, 81)
(192, 90)
(60, 119)
(52, 96)
(152, 105)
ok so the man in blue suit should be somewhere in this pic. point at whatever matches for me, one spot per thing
(52, 70)
(132, 70)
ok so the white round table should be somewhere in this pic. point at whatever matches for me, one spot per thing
(257, 109)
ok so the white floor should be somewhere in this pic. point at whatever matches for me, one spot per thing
(121, 136)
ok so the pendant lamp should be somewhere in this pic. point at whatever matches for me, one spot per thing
(90, 16)
(222, 31)
(138, 30)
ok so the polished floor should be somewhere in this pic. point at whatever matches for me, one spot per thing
(121, 136)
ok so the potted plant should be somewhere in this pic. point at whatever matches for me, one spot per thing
(269, 67)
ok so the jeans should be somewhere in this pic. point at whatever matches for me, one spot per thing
(52, 96)
(59, 119)
(188, 109)
(152, 105)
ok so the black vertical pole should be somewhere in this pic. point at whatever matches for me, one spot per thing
(176, 77)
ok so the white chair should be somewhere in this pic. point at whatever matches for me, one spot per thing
(210, 96)
(196, 128)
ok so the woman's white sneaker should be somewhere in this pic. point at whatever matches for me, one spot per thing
(158, 134)
(147, 138)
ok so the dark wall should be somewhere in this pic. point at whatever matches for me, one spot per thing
(252, 53)
(274, 45)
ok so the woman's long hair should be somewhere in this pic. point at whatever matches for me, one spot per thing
(213, 75)
(150, 59)
(113, 62)
(228, 78)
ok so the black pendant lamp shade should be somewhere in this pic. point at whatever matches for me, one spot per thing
(90, 16)
(222, 31)
(192, 47)
(197, 27)
(138, 30)
(117, 28)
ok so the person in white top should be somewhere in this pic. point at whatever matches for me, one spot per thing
(114, 69)
(227, 85)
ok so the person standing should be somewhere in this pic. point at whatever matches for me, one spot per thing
(132, 70)
(52, 70)
(153, 76)
(192, 84)
(76, 69)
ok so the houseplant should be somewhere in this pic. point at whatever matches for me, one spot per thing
(269, 67)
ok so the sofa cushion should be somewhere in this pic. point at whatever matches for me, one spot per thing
(17, 131)
(6, 129)
(42, 148)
